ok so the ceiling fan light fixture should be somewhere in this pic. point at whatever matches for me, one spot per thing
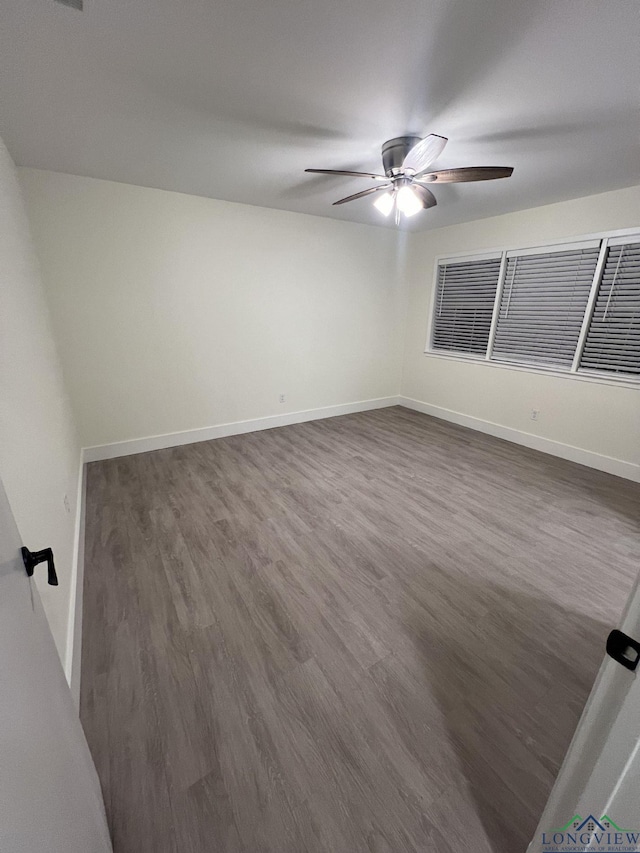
(408, 202)
(406, 161)
(384, 203)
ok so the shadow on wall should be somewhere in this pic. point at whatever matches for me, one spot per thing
(511, 684)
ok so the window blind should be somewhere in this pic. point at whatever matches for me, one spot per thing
(465, 295)
(542, 307)
(613, 338)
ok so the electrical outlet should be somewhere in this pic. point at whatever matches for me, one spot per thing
(282, 398)
(534, 414)
(67, 505)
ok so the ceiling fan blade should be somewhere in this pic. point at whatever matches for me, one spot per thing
(424, 152)
(350, 174)
(469, 173)
(362, 194)
(426, 196)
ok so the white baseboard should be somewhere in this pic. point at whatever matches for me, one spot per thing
(619, 467)
(174, 439)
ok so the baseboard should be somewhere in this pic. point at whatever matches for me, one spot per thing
(74, 625)
(619, 467)
(174, 439)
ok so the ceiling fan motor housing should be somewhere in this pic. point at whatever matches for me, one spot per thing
(394, 151)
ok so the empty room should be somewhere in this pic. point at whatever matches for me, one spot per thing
(319, 426)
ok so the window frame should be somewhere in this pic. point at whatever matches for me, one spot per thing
(622, 235)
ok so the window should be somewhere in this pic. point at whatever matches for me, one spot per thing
(572, 308)
(466, 293)
(543, 303)
(613, 339)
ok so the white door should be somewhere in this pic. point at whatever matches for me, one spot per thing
(50, 800)
(595, 803)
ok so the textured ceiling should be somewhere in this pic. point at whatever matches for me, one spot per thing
(233, 99)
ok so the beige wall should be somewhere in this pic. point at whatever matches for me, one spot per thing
(39, 451)
(600, 418)
(174, 312)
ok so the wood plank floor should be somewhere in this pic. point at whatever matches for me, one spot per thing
(372, 633)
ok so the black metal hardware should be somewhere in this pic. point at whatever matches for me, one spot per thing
(623, 649)
(32, 558)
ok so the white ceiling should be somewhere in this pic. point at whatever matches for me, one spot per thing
(234, 98)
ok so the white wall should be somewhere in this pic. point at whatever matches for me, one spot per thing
(39, 451)
(600, 418)
(175, 312)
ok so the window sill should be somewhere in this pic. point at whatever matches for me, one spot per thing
(598, 378)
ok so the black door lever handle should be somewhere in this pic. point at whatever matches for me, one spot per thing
(32, 558)
(623, 649)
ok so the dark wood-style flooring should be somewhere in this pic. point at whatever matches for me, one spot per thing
(372, 633)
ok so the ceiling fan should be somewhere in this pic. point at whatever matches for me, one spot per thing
(405, 160)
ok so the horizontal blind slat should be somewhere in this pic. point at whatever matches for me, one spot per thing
(613, 338)
(463, 308)
(542, 305)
